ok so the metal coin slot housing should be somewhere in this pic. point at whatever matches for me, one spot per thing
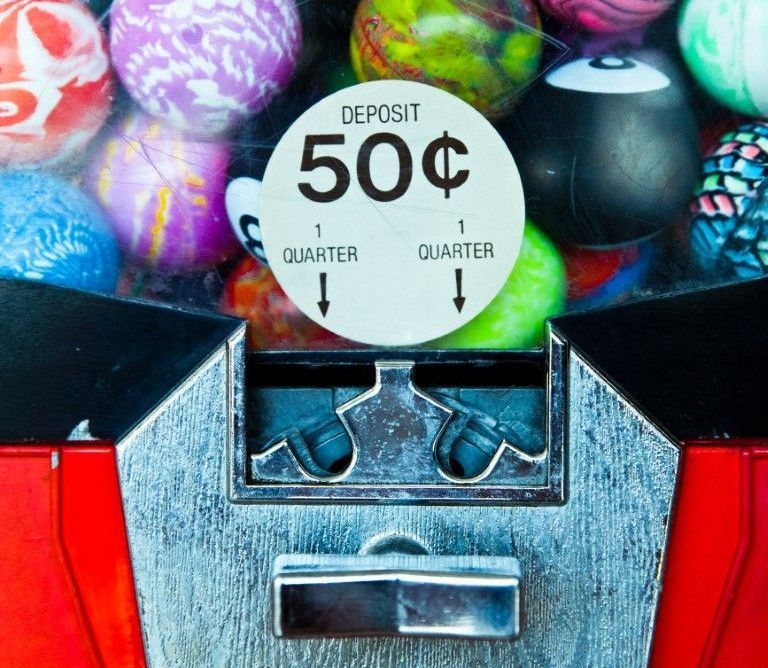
(403, 428)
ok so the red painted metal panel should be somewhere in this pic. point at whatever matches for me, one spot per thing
(714, 604)
(67, 597)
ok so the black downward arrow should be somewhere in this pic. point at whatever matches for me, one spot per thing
(323, 303)
(458, 300)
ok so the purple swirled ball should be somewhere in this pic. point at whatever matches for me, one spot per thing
(204, 65)
(163, 194)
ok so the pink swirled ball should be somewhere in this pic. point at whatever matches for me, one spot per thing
(204, 65)
(605, 15)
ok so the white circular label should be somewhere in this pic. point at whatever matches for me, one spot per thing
(391, 212)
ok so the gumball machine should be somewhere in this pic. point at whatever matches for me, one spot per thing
(424, 333)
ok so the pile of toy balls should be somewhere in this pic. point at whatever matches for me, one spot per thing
(134, 134)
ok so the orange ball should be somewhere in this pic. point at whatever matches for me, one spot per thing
(274, 321)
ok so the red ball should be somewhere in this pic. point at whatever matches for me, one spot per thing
(587, 269)
(598, 277)
(252, 293)
(55, 81)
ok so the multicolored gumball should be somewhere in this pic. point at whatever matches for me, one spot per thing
(50, 231)
(723, 44)
(601, 277)
(55, 82)
(606, 15)
(534, 291)
(274, 321)
(732, 176)
(747, 248)
(204, 65)
(621, 169)
(197, 290)
(164, 194)
(483, 51)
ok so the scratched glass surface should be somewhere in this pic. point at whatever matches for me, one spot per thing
(134, 136)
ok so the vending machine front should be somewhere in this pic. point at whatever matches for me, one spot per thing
(425, 333)
(168, 500)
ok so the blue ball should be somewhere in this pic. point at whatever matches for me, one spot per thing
(745, 252)
(52, 232)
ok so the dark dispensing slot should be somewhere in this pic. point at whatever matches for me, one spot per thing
(434, 368)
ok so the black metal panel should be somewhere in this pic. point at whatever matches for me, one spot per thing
(67, 356)
(696, 363)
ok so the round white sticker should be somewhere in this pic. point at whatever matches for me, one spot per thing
(391, 212)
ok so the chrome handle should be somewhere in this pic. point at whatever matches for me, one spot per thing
(396, 595)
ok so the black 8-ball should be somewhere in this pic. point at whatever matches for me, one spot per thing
(607, 149)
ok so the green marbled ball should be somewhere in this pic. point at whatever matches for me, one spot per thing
(723, 43)
(483, 51)
(534, 291)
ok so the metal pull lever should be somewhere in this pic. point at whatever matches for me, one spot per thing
(396, 595)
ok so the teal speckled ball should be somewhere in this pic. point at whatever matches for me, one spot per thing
(534, 291)
(723, 43)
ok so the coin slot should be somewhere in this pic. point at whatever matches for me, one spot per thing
(339, 424)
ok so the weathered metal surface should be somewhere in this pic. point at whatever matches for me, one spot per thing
(202, 564)
(399, 440)
(398, 443)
